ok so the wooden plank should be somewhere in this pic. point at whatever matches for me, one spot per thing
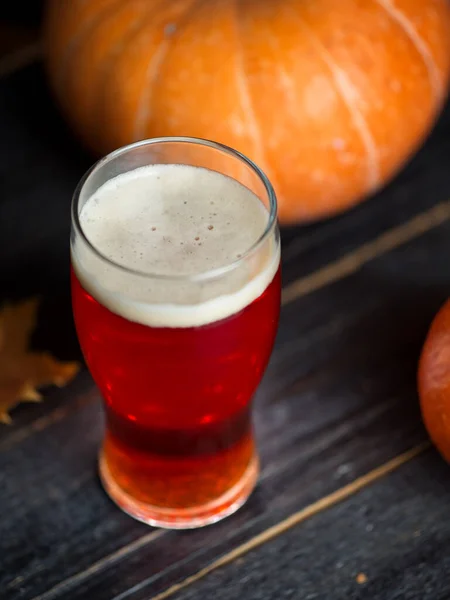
(350, 405)
(308, 512)
(337, 406)
(389, 541)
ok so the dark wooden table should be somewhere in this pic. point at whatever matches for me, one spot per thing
(352, 502)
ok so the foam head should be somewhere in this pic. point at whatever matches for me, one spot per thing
(166, 230)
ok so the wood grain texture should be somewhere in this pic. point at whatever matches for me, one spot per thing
(338, 399)
(345, 404)
(347, 397)
(240, 550)
(403, 557)
(295, 519)
(353, 261)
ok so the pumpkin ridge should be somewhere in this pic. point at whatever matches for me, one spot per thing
(113, 54)
(419, 44)
(247, 104)
(154, 67)
(349, 95)
(77, 41)
(331, 97)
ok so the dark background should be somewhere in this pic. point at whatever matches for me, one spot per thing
(25, 12)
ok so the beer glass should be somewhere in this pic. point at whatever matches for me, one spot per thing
(177, 355)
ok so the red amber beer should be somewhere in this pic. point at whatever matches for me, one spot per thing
(176, 296)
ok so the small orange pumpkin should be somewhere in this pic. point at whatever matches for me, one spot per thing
(329, 97)
(434, 381)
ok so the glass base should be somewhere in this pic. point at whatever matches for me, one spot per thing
(177, 518)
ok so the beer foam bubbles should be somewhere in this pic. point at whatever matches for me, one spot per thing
(166, 230)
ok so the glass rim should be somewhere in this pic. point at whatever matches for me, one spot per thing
(203, 275)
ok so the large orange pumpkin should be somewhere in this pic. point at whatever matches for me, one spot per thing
(329, 97)
(434, 381)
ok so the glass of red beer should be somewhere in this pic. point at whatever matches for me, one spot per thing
(176, 295)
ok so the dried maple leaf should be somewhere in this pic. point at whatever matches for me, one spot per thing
(22, 371)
